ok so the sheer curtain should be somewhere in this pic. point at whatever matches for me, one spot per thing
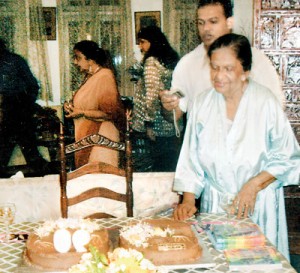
(180, 24)
(23, 29)
(38, 53)
(107, 22)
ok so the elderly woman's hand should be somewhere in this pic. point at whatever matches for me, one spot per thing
(184, 211)
(246, 197)
(245, 201)
(187, 208)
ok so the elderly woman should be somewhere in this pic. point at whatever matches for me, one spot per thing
(238, 142)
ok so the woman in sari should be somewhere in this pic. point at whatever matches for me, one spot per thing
(96, 106)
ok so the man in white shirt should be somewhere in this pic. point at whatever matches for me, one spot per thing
(191, 75)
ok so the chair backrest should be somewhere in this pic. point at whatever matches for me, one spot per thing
(88, 141)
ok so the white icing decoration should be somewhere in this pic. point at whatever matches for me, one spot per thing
(62, 240)
(63, 223)
(171, 246)
(139, 234)
(81, 238)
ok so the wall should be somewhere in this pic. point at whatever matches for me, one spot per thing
(243, 13)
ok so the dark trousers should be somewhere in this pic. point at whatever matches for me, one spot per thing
(141, 152)
(160, 155)
(17, 126)
(165, 153)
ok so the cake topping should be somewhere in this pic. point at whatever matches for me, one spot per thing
(180, 238)
(50, 226)
(139, 234)
(80, 239)
(62, 240)
(171, 246)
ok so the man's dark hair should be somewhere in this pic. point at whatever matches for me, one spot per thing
(239, 44)
(226, 4)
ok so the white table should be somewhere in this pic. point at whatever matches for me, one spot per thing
(10, 254)
(38, 198)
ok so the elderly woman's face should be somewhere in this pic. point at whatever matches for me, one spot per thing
(81, 61)
(226, 71)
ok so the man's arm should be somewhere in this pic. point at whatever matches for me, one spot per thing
(170, 103)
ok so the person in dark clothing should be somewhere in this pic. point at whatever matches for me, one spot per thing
(18, 93)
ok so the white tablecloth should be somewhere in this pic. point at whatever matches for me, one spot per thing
(38, 198)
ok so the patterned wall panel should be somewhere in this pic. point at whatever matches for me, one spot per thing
(268, 32)
(280, 4)
(290, 32)
(277, 33)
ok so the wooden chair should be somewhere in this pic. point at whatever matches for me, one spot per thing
(89, 141)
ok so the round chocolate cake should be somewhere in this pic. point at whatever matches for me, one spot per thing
(45, 250)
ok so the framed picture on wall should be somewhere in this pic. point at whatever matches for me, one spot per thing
(144, 19)
(49, 14)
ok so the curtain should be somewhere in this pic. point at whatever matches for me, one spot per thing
(38, 53)
(107, 22)
(180, 24)
(23, 30)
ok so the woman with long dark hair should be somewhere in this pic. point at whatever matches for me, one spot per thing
(149, 125)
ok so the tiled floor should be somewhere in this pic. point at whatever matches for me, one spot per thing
(295, 262)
